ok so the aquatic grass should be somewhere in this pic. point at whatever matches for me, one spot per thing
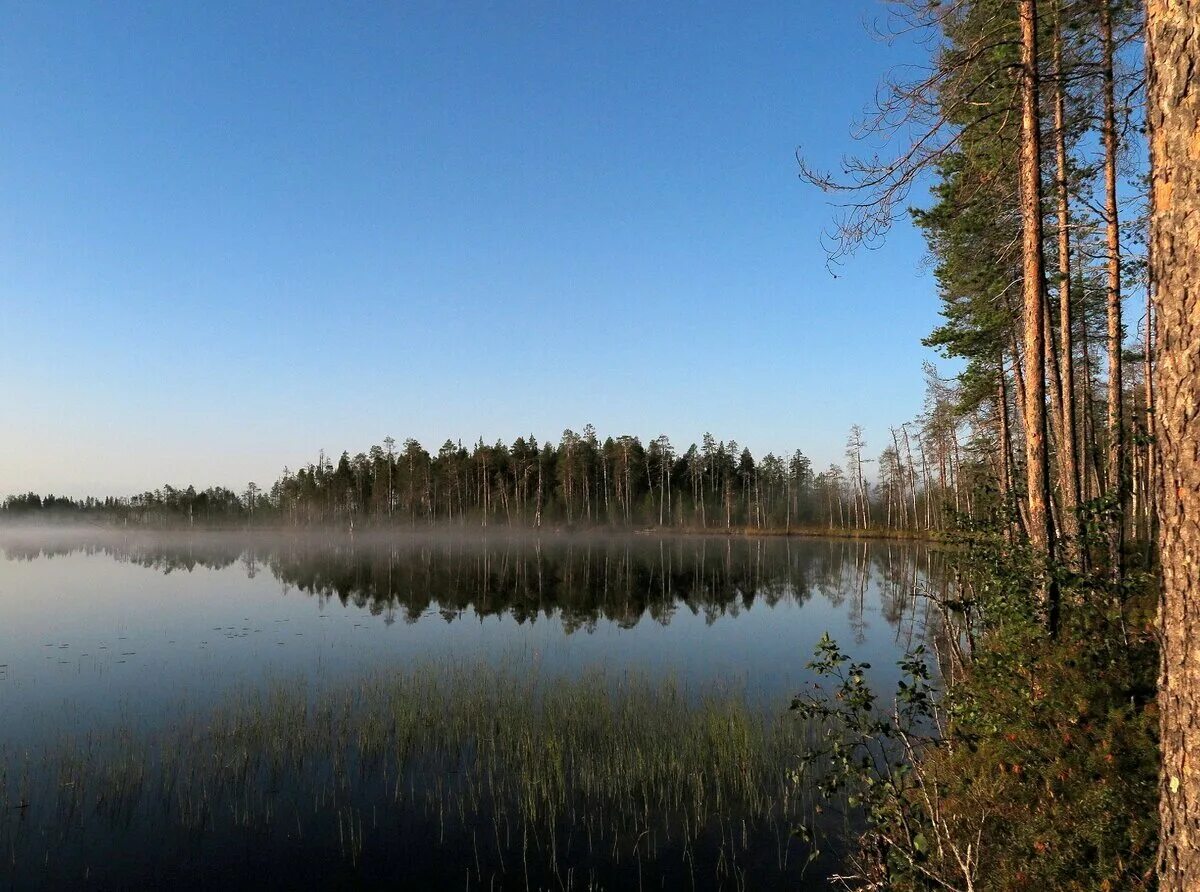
(488, 774)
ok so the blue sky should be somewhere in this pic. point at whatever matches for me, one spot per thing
(232, 235)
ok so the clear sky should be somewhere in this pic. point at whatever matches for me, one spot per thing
(231, 235)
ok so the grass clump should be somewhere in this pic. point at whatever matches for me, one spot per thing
(466, 775)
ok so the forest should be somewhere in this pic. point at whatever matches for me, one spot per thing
(1058, 138)
(1036, 229)
(926, 479)
(1031, 125)
(1049, 153)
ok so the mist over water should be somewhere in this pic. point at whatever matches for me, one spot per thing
(167, 696)
(101, 626)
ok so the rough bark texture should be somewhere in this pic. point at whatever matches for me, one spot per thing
(1173, 63)
(1037, 470)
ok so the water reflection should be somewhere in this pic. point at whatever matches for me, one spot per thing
(579, 581)
(120, 638)
(101, 627)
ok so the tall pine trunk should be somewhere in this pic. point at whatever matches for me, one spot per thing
(1002, 438)
(1041, 532)
(1117, 487)
(1173, 114)
(1068, 449)
(1151, 455)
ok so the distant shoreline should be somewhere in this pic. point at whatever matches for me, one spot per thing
(802, 533)
(375, 530)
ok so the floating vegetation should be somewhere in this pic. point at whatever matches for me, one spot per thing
(462, 776)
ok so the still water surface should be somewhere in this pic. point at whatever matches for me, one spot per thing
(108, 639)
(97, 627)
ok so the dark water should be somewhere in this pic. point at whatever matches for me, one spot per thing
(103, 629)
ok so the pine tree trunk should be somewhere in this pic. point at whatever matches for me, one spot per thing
(1116, 428)
(1173, 114)
(1066, 526)
(1005, 450)
(1088, 440)
(1151, 457)
(1068, 454)
(1041, 533)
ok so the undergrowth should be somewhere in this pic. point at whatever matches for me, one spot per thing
(1030, 764)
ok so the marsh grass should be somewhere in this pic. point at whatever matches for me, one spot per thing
(462, 776)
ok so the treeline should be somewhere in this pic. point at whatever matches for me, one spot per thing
(1059, 140)
(579, 481)
(1029, 123)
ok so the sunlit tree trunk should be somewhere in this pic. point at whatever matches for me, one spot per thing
(1116, 428)
(1041, 532)
(912, 474)
(1152, 453)
(1068, 461)
(1173, 115)
(1089, 450)
(901, 495)
(925, 482)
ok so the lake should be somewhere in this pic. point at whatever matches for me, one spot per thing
(130, 642)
